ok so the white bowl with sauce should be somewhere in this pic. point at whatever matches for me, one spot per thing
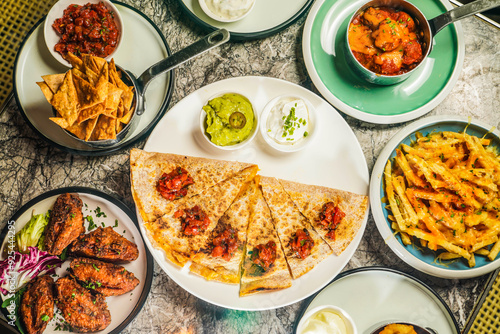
(227, 10)
(286, 130)
(57, 11)
(326, 319)
(231, 147)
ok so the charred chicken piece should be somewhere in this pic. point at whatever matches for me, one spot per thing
(37, 305)
(105, 244)
(83, 311)
(105, 278)
(65, 223)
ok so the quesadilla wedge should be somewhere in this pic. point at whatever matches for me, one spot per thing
(177, 177)
(186, 225)
(336, 215)
(264, 266)
(220, 258)
(302, 245)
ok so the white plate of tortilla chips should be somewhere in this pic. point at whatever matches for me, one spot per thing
(34, 61)
(333, 160)
(440, 213)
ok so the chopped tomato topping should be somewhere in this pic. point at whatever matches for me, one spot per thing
(90, 29)
(225, 244)
(174, 185)
(330, 218)
(264, 255)
(193, 220)
(302, 243)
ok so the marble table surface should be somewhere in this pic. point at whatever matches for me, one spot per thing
(29, 166)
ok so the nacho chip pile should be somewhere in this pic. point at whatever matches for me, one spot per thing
(91, 100)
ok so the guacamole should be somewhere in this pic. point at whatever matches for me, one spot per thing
(230, 119)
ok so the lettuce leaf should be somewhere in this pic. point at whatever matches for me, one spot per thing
(32, 232)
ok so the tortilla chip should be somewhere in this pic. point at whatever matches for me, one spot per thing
(104, 129)
(91, 112)
(113, 99)
(119, 127)
(101, 85)
(54, 81)
(91, 123)
(99, 63)
(74, 61)
(66, 100)
(47, 92)
(60, 121)
(88, 96)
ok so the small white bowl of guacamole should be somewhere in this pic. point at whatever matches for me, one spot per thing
(228, 121)
(288, 123)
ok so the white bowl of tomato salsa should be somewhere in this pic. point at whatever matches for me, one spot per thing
(83, 26)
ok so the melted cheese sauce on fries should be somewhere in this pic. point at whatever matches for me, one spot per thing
(444, 191)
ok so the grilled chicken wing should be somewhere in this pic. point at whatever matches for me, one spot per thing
(65, 223)
(105, 244)
(106, 278)
(83, 311)
(37, 305)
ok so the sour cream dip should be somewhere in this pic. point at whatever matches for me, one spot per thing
(229, 10)
(324, 322)
(288, 121)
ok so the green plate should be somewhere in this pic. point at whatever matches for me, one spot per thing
(324, 44)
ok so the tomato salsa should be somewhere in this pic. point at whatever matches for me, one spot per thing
(90, 28)
(385, 41)
(174, 185)
(302, 243)
(225, 244)
(264, 255)
(330, 218)
(193, 221)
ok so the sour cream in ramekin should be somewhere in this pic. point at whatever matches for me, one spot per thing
(227, 10)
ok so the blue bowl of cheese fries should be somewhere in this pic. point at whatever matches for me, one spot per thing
(437, 203)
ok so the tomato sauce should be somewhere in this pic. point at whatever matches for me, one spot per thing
(264, 255)
(385, 41)
(174, 185)
(90, 29)
(330, 217)
(193, 221)
(302, 243)
(225, 244)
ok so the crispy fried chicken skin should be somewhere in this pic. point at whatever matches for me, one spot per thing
(106, 278)
(105, 244)
(83, 311)
(37, 305)
(65, 223)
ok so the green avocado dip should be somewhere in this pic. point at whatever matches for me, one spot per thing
(230, 119)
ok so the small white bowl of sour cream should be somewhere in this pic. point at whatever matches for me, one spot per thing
(326, 319)
(288, 123)
(227, 10)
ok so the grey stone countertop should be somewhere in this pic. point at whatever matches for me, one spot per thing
(29, 166)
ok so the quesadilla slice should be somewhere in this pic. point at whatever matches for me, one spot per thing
(186, 225)
(157, 179)
(220, 258)
(336, 215)
(302, 245)
(264, 267)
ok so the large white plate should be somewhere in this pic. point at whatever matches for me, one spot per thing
(375, 296)
(335, 159)
(34, 60)
(123, 308)
(265, 19)
(424, 259)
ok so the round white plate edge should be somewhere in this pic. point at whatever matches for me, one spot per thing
(394, 274)
(379, 217)
(177, 274)
(367, 117)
